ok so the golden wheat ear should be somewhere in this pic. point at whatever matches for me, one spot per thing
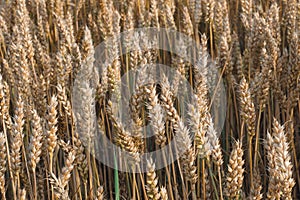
(235, 174)
(152, 182)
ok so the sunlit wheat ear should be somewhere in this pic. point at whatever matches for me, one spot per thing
(208, 9)
(187, 26)
(290, 15)
(52, 126)
(84, 93)
(8, 72)
(152, 182)
(123, 138)
(214, 141)
(80, 160)
(218, 21)
(23, 51)
(158, 124)
(247, 107)
(235, 174)
(63, 100)
(59, 190)
(40, 95)
(3, 154)
(273, 186)
(156, 116)
(5, 117)
(126, 142)
(167, 102)
(4, 28)
(184, 145)
(67, 169)
(17, 138)
(198, 124)
(264, 77)
(35, 145)
(283, 164)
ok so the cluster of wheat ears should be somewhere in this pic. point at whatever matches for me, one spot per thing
(47, 71)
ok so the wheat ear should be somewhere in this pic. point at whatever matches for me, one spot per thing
(152, 182)
(235, 176)
(52, 129)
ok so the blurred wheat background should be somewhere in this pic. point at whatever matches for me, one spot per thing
(46, 46)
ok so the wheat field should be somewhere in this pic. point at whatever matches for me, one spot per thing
(55, 100)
